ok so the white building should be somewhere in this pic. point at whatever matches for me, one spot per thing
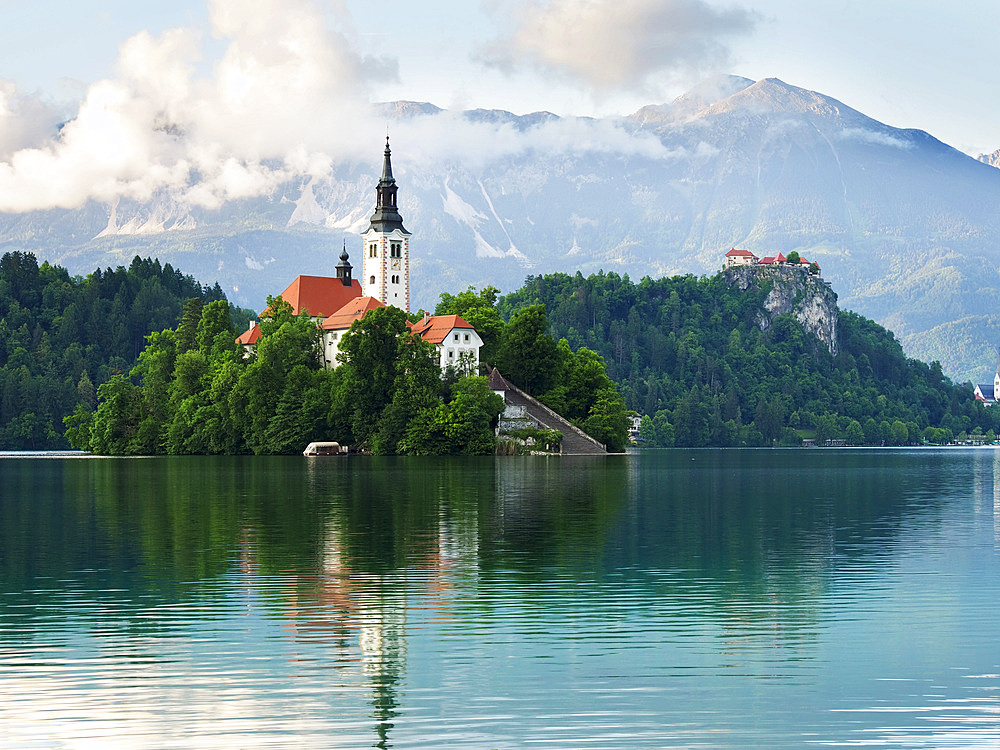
(457, 342)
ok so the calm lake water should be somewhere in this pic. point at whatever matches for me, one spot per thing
(688, 599)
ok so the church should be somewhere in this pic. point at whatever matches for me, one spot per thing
(335, 302)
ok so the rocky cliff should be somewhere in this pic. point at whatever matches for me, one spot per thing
(792, 290)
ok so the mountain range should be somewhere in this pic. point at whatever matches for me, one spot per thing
(905, 227)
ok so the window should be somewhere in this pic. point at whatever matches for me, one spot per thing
(456, 337)
(395, 250)
(371, 280)
(333, 336)
(451, 353)
(466, 338)
(373, 250)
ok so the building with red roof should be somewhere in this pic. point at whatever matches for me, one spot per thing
(745, 258)
(336, 302)
(321, 296)
(337, 324)
(457, 342)
(740, 258)
(248, 339)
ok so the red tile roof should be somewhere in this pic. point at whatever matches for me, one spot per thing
(436, 327)
(319, 296)
(734, 253)
(353, 310)
(249, 337)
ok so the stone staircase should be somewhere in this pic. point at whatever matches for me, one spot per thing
(575, 441)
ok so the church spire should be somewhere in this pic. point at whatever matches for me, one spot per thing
(386, 216)
(385, 272)
(387, 163)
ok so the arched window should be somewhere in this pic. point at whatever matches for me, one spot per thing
(371, 280)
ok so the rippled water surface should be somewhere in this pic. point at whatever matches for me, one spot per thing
(688, 599)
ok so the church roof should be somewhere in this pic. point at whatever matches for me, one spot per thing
(436, 327)
(985, 390)
(353, 310)
(319, 296)
(250, 336)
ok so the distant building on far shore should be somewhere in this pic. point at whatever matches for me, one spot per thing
(736, 258)
(988, 392)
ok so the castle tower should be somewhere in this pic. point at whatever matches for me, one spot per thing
(386, 267)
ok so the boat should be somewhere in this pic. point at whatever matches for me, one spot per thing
(324, 448)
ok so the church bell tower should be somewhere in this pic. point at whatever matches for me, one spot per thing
(386, 267)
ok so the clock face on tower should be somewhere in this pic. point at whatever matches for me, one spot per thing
(395, 264)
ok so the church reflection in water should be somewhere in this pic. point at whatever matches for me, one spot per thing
(396, 541)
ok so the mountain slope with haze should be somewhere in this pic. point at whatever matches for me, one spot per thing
(905, 227)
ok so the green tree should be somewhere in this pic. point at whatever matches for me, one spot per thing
(607, 421)
(480, 311)
(690, 420)
(116, 422)
(187, 327)
(368, 355)
(855, 434)
(464, 425)
(528, 355)
(415, 391)
(769, 418)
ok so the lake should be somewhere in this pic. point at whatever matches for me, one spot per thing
(662, 599)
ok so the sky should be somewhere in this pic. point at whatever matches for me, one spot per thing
(205, 97)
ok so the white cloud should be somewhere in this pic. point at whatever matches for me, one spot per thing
(874, 137)
(450, 138)
(611, 45)
(286, 97)
(25, 121)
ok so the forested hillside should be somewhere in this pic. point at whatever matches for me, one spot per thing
(195, 391)
(61, 337)
(689, 353)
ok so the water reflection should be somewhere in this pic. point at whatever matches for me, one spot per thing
(489, 603)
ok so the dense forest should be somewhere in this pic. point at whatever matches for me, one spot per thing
(195, 391)
(61, 337)
(144, 360)
(689, 354)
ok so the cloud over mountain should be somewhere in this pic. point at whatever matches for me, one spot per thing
(288, 97)
(614, 44)
(261, 115)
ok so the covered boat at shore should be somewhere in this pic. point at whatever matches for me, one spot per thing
(321, 448)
